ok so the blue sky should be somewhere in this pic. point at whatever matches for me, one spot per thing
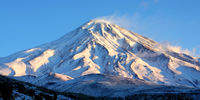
(28, 23)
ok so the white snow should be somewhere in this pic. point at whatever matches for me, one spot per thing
(20, 96)
(41, 60)
(5, 71)
(61, 76)
(31, 50)
(18, 66)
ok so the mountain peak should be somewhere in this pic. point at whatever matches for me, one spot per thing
(96, 22)
(99, 21)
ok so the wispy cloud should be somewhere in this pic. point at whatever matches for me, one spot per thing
(155, 1)
(167, 46)
(136, 23)
(127, 21)
(147, 3)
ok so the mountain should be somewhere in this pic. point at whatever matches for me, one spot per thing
(100, 56)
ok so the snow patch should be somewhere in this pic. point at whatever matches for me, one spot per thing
(42, 59)
(31, 50)
(5, 71)
(61, 76)
(18, 66)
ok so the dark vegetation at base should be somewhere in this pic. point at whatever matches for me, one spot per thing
(7, 86)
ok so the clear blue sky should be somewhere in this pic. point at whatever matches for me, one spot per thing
(28, 23)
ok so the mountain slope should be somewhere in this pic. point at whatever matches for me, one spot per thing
(99, 47)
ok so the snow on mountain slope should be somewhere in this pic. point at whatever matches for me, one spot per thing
(100, 47)
(106, 85)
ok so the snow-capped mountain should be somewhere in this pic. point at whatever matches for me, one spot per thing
(100, 52)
